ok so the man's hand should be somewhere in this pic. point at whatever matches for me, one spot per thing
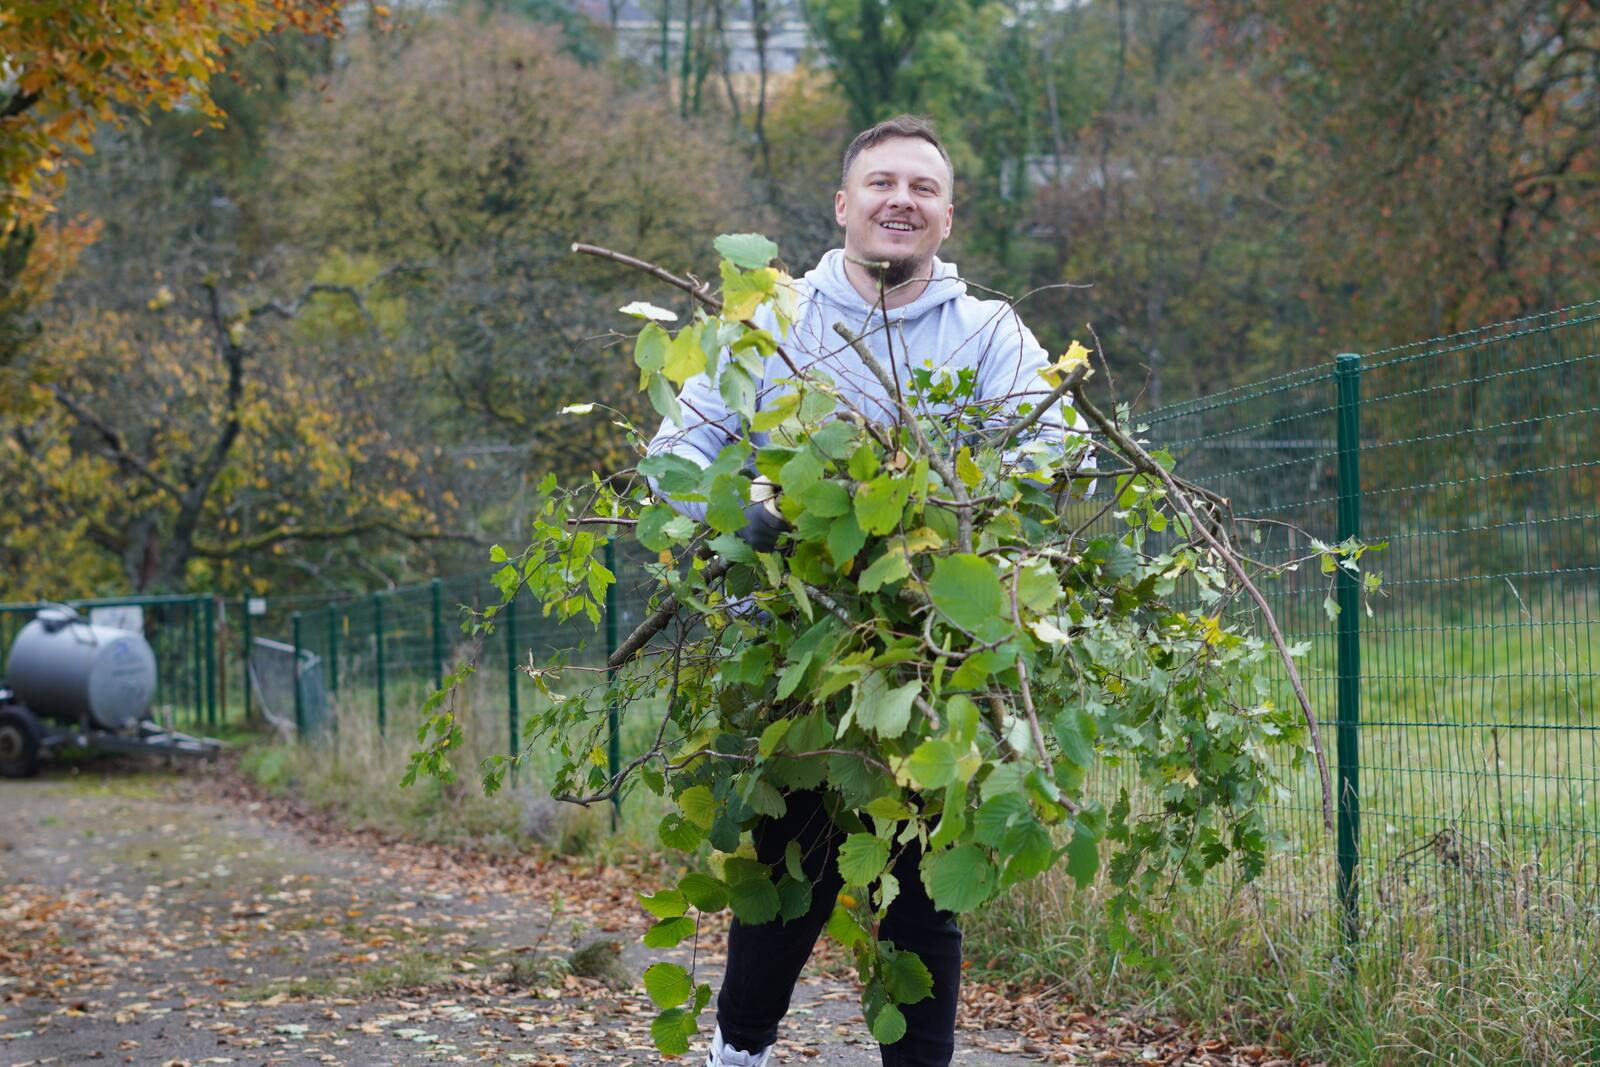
(763, 522)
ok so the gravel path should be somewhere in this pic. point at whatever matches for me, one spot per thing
(150, 919)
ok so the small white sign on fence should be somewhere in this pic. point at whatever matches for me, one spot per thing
(118, 617)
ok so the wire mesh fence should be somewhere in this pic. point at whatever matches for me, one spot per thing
(1458, 714)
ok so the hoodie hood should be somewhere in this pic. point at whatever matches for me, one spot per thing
(828, 280)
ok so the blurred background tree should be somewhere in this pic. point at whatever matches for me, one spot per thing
(368, 227)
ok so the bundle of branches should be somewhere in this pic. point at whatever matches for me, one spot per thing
(940, 645)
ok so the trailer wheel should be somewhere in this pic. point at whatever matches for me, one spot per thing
(19, 743)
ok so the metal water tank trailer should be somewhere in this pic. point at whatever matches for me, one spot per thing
(68, 670)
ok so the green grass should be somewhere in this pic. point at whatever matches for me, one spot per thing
(355, 769)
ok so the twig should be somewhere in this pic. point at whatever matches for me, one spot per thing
(1071, 381)
(658, 620)
(935, 460)
(700, 291)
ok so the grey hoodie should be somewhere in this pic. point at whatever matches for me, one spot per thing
(942, 328)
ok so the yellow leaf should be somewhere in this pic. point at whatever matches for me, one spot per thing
(966, 469)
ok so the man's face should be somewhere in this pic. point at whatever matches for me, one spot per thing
(896, 205)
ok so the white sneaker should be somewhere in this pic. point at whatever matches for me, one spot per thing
(723, 1056)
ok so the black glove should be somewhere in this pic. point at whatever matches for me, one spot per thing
(762, 525)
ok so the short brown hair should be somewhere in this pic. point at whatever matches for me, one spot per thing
(888, 129)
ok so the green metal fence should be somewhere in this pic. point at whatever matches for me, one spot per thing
(1458, 715)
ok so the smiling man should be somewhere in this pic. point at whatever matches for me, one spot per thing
(888, 286)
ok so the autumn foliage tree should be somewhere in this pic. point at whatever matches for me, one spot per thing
(195, 440)
(1454, 148)
(70, 67)
(469, 155)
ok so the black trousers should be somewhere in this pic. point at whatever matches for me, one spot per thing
(764, 961)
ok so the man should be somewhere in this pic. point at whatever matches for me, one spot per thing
(895, 205)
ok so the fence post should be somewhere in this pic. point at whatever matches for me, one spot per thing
(1347, 373)
(436, 587)
(195, 652)
(613, 742)
(512, 716)
(333, 648)
(377, 640)
(299, 701)
(249, 641)
(210, 617)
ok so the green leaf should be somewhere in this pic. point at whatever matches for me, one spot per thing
(845, 539)
(799, 657)
(685, 358)
(770, 417)
(650, 350)
(1038, 588)
(738, 390)
(843, 928)
(772, 736)
(672, 1030)
(1031, 851)
(754, 900)
(667, 984)
(797, 589)
(748, 250)
(954, 818)
(727, 498)
(765, 799)
(862, 858)
(1083, 858)
(794, 897)
(978, 666)
(863, 462)
(961, 716)
(800, 472)
(889, 568)
(880, 502)
(889, 1025)
(906, 978)
(1075, 731)
(882, 710)
(966, 590)
(826, 499)
(933, 764)
(703, 891)
(679, 833)
(699, 806)
(674, 474)
(669, 932)
(667, 904)
(960, 879)
(664, 400)
(996, 814)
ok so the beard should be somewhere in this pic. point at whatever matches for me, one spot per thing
(900, 271)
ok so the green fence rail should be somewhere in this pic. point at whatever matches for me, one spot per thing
(1460, 712)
